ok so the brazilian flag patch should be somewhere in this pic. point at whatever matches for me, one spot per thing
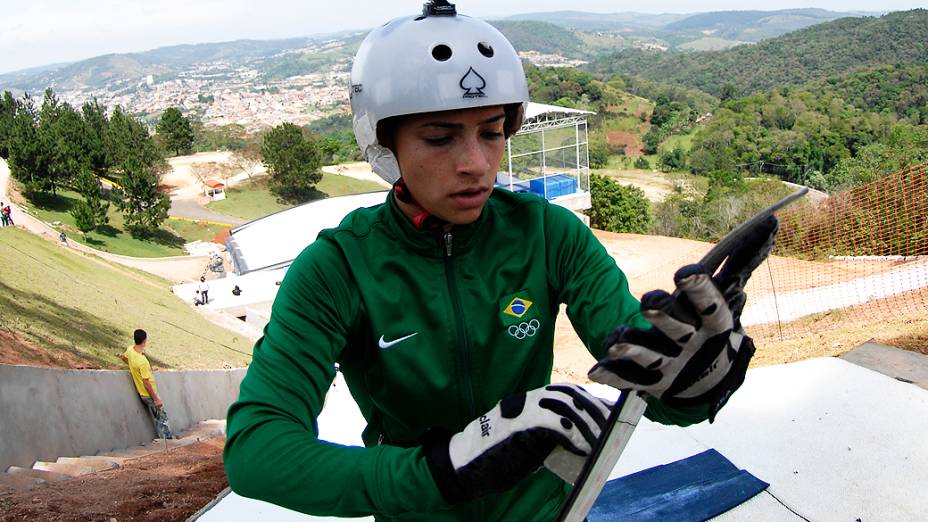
(518, 307)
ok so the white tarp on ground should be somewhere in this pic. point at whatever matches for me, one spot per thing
(280, 237)
(790, 306)
(834, 440)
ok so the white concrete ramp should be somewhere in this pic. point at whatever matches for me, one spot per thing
(834, 440)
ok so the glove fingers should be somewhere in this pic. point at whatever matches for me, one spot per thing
(670, 326)
(580, 413)
(650, 340)
(584, 401)
(705, 298)
(624, 375)
(660, 308)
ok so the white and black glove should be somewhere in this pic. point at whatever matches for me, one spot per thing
(696, 353)
(516, 438)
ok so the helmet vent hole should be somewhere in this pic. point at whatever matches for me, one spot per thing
(441, 52)
(485, 49)
(419, 18)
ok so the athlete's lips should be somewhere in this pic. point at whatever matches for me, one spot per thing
(469, 198)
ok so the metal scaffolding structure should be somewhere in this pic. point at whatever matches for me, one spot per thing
(549, 156)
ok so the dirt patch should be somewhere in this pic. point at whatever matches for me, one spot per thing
(15, 350)
(171, 485)
(633, 145)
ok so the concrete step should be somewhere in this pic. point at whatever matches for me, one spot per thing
(98, 462)
(74, 466)
(47, 476)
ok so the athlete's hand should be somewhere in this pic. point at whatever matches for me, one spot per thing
(697, 352)
(515, 439)
(692, 356)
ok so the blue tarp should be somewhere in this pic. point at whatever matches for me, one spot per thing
(693, 489)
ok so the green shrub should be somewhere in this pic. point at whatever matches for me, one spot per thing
(618, 208)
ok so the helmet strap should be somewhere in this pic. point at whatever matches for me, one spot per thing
(423, 220)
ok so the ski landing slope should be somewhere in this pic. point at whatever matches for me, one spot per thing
(835, 441)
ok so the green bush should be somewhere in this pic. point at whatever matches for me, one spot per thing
(618, 208)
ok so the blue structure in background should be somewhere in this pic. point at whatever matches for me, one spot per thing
(557, 185)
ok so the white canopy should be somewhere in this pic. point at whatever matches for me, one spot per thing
(538, 109)
(275, 240)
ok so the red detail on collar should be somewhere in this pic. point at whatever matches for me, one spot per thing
(424, 220)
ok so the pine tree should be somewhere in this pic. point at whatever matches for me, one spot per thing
(93, 210)
(143, 207)
(292, 161)
(175, 131)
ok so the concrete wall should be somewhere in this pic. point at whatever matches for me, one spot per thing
(47, 413)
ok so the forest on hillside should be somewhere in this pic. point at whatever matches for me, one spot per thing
(811, 54)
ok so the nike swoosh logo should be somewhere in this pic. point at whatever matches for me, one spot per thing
(388, 344)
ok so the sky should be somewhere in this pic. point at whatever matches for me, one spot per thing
(42, 32)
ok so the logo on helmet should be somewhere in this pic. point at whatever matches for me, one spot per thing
(474, 84)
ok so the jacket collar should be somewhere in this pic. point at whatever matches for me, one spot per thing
(431, 243)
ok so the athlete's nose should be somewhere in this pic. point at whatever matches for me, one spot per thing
(473, 157)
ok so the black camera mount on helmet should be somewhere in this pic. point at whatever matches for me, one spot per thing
(439, 8)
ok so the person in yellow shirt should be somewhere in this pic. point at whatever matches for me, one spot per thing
(144, 381)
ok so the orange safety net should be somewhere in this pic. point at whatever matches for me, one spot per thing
(859, 255)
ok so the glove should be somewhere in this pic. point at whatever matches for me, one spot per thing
(683, 362)
(514, 439)
(697, 352)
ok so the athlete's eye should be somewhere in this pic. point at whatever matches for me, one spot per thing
(443, 140)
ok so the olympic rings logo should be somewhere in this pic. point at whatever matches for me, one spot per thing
(523, 330)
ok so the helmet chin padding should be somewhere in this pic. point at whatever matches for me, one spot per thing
(422, 64)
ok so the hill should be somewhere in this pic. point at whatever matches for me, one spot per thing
(543, 37)
(62, 309)
(902, 90)
(583, 21)
(815, 53)
(752, 26)
(267, 57)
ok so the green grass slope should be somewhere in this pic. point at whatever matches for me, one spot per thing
(60, 301)
(254, 199)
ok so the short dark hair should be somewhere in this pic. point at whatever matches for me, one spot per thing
(139, 335)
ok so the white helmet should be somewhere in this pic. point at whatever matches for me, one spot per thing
(436, 61)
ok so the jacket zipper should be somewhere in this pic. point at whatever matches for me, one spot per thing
(476, 511)
(464, 350)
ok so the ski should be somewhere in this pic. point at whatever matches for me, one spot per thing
(628, 410)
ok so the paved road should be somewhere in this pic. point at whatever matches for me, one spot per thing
(188, 207)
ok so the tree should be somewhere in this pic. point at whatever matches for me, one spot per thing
(28, 158)
(176, 131)
(95, 126)
(143, 207)
(66, 138)
(599, 153)
(671, 160)
(125, 138)
(84, 217)
(292, 160)
(7, 117)
(92, 212)
(618, 208)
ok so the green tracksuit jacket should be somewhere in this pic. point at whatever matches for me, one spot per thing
(466, 318)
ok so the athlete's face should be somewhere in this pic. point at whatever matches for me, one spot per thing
(449, 160)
